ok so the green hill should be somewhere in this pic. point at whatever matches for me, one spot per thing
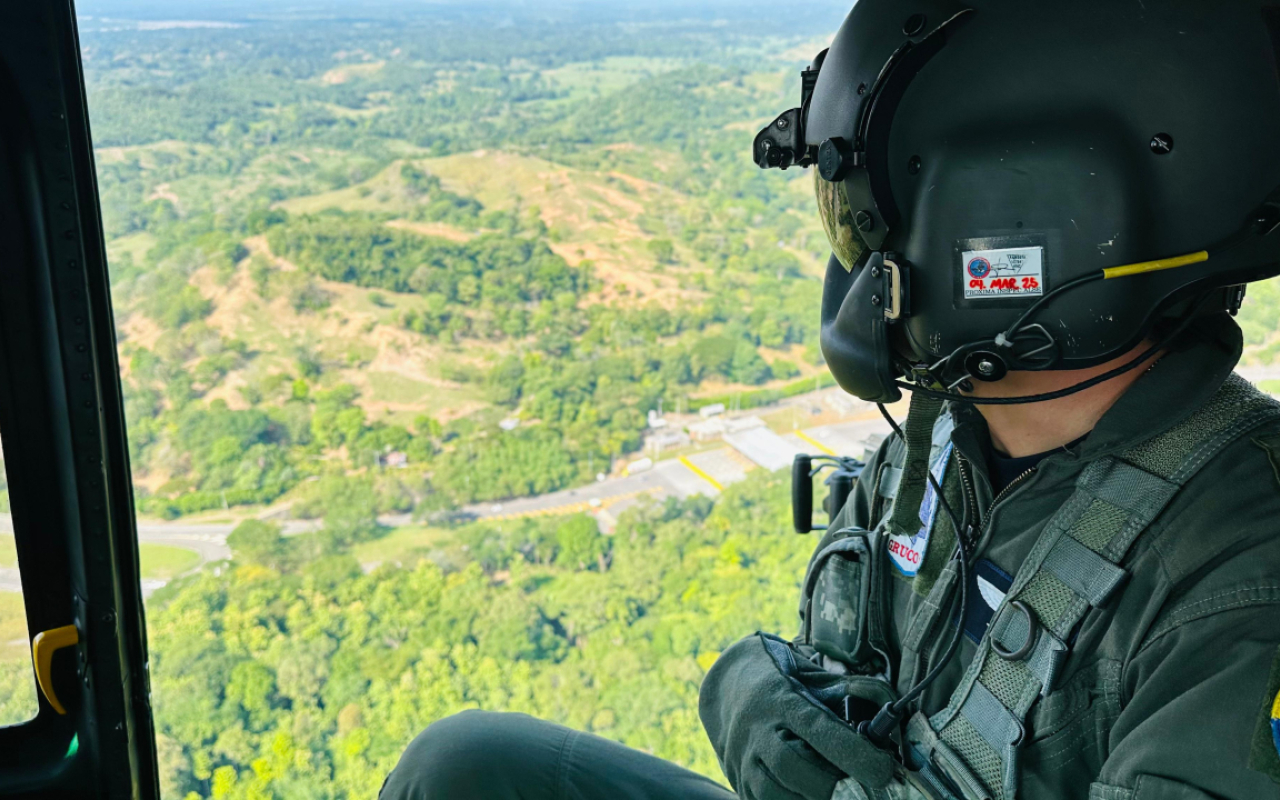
(306, 292)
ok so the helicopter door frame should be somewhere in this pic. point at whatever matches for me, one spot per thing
(63, 432)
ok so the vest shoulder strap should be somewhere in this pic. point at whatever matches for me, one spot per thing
(1072, 568)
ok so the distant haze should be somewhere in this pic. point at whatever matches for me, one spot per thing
(820, 14)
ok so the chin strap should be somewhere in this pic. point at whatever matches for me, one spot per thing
(917, 435)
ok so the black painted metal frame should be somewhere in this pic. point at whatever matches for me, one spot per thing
(63, 431)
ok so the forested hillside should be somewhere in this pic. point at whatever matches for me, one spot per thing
(330, 244)
(410, 259)
(414, 263)
(325, 673)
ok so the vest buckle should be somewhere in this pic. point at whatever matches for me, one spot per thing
(1028, 645)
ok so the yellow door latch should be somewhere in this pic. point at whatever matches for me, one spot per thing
(43, 646)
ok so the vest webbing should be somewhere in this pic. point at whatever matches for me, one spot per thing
(1072, 568)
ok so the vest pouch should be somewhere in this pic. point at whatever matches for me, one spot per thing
(837, 594)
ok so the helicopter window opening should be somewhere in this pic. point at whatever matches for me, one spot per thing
(463, 364)
(464, 355)
(17, 679)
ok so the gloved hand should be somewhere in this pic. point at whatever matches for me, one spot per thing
(763, 709)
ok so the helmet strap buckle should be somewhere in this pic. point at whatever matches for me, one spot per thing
(897, 288)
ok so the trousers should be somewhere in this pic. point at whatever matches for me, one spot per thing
(479, 755)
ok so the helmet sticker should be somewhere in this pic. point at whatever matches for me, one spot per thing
(1012, 272)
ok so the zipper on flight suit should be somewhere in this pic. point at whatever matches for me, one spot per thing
(967, 482)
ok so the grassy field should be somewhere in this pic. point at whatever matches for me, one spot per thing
(595, 78)
(164, 562)
(15, 662)
(8, 553)
(134, 246)
(402, 546)
(158, 561)
(393, 387)
(13, 628)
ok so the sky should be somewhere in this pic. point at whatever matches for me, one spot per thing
(598, 10)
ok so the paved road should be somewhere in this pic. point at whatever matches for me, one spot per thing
(1258, 374)
(9, 580)
(672, 478)
(666, 479)
(701, 473)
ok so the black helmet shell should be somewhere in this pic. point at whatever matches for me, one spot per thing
(1072, 137)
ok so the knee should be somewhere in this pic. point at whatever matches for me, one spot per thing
(453, 758)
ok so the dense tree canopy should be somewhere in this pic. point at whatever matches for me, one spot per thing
(493, 269)
(288, 677)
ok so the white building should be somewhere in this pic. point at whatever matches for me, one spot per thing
(713, 410)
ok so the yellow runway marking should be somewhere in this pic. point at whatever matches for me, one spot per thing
(701, 473)
(815, 443)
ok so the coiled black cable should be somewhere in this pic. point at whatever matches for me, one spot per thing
(1128, 366)
(888, 719)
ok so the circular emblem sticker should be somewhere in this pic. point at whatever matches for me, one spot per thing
(979, 267)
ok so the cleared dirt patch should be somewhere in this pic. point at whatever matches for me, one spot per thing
(396, 370)
(165, 192)
(347, 72)
(437, 229)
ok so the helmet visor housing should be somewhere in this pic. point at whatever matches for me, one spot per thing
(837, 221)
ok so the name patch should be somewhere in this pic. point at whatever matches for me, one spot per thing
(1012, 272)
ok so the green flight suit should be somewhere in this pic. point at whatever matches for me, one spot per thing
(481, 755)
(1166, 687)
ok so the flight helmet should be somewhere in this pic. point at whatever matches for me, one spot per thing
(1013, 185)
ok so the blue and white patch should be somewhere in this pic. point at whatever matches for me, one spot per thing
(978, 267)
(907, 552)
(988, 584)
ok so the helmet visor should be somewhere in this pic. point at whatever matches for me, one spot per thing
(837, 221)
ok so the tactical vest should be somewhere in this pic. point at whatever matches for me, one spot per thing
(970, 749)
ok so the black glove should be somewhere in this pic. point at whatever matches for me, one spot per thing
(766, 712)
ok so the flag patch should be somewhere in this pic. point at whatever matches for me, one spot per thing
(1275, 723)
(1264, 756)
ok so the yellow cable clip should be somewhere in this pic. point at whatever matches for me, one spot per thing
(1155, 266)
(43, 646)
